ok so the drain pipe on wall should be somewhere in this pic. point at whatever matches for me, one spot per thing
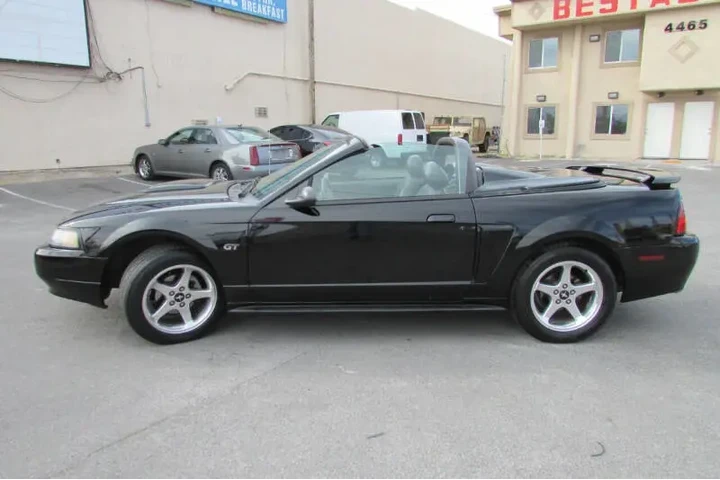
(311, 28)
(145, 98)
(118, 75)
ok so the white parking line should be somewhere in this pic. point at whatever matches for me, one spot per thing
(36, 200)
(133, 181)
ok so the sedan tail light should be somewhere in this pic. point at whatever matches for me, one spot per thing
(681, 225)
(326, 143)
(254, 156)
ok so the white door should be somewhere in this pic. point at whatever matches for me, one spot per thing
(697, 130)
(659, 130)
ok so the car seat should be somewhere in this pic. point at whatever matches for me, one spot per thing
(415, 178)
(436, 178)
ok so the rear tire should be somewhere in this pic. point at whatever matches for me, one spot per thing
(483, 147)
(563, 296)
(151, 291)
(221, 172)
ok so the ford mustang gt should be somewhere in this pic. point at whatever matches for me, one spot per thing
(557, 247)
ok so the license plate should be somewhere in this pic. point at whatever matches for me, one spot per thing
(283, 154)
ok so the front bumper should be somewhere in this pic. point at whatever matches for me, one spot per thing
(72, 275)
(658, 270)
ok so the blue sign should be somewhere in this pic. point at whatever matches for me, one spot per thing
(274, 10)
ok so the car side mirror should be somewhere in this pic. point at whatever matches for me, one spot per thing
(305, 199)
(163, 142)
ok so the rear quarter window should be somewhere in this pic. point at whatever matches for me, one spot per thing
(419, 122)
(407, 120)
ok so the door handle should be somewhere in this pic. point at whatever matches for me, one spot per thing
(181, 151)
(441, 218)
(208, 150)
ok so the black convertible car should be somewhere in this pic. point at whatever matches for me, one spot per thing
(559, 248)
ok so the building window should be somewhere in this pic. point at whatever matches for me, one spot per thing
(544, 53)
(533, 120)
(611, 119)
(622, 46)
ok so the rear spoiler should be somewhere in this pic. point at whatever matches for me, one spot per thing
(653, 178)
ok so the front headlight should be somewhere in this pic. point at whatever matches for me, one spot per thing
(71, 238)
(65, 238)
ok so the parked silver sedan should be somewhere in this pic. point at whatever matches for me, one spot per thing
(219, 152)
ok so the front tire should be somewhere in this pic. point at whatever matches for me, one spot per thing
(565, 295)
(144, 168)
(170, 296)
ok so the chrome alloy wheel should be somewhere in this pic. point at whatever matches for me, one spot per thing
(220, 173)
(144, 168)
(180, 299)
(566, 296)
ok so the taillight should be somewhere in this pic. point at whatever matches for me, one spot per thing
(681, 226)
(254, 157)
(400, 139)
(326, 143)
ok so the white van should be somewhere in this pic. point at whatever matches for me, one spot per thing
(393, 131)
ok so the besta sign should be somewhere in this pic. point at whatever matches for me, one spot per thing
(566, 9)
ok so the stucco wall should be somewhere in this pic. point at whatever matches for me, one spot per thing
(686, 59)
(596, 81)
(202, 65)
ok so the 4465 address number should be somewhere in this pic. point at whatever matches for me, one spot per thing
(682, 26)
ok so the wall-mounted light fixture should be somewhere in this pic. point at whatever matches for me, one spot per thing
(661, 94)
(613, 95)
(699, 92)
(541, 98)
(594, 38)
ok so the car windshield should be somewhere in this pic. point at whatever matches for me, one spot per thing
(238, 135)
(282, 177)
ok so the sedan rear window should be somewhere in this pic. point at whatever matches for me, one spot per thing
(238, 135)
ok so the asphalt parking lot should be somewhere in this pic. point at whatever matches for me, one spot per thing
(338, 395)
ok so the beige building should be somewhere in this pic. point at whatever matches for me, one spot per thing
(613, 79)
(157, 65)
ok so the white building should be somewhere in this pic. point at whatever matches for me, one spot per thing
(143, 68)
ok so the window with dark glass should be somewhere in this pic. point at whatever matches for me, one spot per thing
(622, 46)
(407, 120)
(534, 116)
(611, 119)
(543, 52)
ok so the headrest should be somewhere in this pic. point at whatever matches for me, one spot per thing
(435, 176)
(415, 166)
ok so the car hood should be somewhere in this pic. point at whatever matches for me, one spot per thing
(164, 196)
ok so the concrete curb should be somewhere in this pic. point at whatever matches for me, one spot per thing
(35, 176)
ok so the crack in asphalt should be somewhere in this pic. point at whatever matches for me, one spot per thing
(209, 400)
